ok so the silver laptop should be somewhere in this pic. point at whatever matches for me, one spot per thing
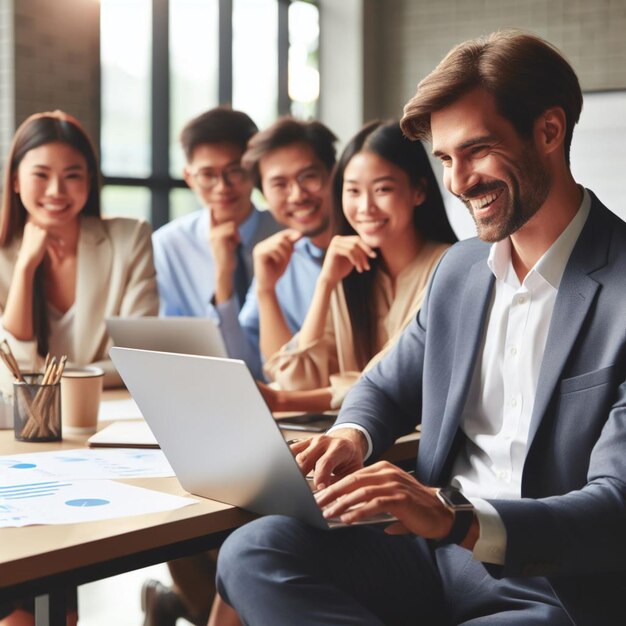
(218, 434)
(184, 335)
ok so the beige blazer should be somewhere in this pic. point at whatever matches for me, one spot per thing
(331, 361)
(115, 276)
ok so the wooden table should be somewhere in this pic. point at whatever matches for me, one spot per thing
(43, 561)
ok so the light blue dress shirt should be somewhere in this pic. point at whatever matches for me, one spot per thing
(185, 265)
(294, 291)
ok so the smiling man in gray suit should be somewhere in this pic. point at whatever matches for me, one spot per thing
(515, 368)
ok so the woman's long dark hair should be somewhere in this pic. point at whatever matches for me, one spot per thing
(429, 219)
(38, 130)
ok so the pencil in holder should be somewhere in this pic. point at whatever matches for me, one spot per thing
(37, 409)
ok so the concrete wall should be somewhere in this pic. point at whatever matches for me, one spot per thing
(341, 66)
(7, 77)
(414, 35)
(350, 64)
(373, 51)
(49, 59)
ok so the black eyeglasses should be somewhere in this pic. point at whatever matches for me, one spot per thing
(207, 179)
(310, 180)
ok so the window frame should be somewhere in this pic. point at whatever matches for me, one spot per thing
(161, 182)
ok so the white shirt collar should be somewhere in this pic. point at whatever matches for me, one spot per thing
(552, 264)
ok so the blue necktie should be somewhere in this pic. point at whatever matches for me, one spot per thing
(240, 279)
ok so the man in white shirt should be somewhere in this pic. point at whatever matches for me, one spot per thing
(515, 368)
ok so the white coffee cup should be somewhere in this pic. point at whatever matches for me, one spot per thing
(81, 389)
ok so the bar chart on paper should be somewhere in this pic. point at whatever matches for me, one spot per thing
(30, 490)
(72, 486)
(71, 502)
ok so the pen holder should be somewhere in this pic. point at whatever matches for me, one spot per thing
(36, 409)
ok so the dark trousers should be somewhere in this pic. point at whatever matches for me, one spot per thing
(277, 571)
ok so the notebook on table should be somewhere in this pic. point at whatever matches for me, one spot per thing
(217, 433)
(185, 335)
(124, 434)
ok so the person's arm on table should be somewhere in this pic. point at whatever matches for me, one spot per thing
(385, 488)
(352, 493)
(308, 400)
(331, 456)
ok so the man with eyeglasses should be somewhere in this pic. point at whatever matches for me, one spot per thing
(204, 259)
(291, 162)
(204, 268)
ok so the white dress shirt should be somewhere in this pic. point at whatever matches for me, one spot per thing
(499, 406)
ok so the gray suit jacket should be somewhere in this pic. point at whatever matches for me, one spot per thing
(570, 524)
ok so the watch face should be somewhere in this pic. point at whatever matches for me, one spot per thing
(455, 498)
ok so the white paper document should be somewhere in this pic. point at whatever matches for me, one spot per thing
(83, 464)
(71, 502)
(125, 409)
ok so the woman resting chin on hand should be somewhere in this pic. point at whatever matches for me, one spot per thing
(64, 268)
(391, 230)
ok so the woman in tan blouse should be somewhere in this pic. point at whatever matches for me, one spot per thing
(392, 230)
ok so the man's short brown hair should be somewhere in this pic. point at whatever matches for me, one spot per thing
(218, 125)
(525, 74)
(285, 132)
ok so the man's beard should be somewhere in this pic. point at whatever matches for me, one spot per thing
(527, 189)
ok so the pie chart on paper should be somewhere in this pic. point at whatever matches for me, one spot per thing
(84, 502)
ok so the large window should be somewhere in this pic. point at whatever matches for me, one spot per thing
(125, 128)
(255, 63)
(193, 64)
(165, 61)
(304, 78)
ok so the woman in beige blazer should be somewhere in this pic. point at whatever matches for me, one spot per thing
(63, 268)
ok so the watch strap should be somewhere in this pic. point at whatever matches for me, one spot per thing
(460, 527)
(463, 510)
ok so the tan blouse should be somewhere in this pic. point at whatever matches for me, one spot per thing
(331, 360)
